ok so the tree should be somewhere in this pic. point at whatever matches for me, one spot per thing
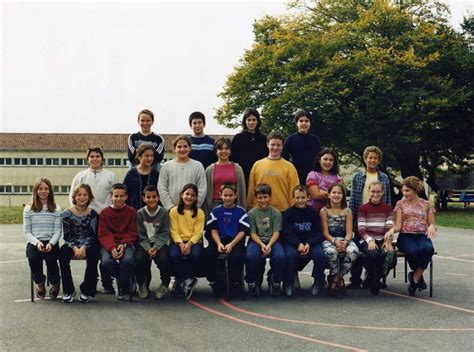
(373, 72)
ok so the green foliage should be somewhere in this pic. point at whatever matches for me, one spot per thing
(373, 72)
(11, 215)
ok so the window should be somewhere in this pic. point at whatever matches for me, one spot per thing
(36, 161)
(20, 189)
(113, 162)
(67, 161)
(20, 161)
(80, 162)
(5, 161)
(56, 189)
(125, 162)
(52, 161)
(65, 189)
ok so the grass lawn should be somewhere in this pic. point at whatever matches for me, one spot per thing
(11, 215)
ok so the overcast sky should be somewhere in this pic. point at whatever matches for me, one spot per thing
(90, 67)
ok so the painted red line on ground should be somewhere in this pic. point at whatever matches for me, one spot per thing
(266, 328)
(344, 326)
(456, 259)
(429, 301)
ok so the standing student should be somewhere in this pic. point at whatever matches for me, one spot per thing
(186, 229)
(375, 220)
(325, 172)
(416, 222)
(302, 146)
(100, 180)
(80, 242)
(153, 243)
(249, 145)
(275, 171)
(202, 146)
(221, 172)
(336, 223)
(360, 195)
(143, 175)
(147, 136)
(42, 228)
(265, 227)
(302, 239)
(117, 236)
(228, 224)
(180, 171)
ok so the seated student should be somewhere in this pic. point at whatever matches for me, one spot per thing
(416, 222)
(375, 220)
(117, 235)
(227, 223)
(336, 223)
(153, 243)
(146, 136)
(265, 226)
(276, 172)
(42, 228)
(186, 229)
(202, 146)
(301, 234)
(80, 242)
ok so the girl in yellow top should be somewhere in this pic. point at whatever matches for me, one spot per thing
(186, 229)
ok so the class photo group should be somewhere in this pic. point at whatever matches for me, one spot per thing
(246, 200)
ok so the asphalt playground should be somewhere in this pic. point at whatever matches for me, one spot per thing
(392, 321)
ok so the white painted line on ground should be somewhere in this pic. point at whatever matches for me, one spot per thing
(455, 259)
(456, 274)
(14, 261)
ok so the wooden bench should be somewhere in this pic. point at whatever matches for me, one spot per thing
(454, 196)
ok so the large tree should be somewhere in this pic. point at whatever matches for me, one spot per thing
(373, 72)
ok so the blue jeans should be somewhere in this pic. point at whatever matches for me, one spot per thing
(418, 249)
(121, 269)
(295, 262)
(185, 267)
(253, 257)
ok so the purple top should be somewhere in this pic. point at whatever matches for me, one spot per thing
(323, 182)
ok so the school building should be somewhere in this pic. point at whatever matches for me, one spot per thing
(24, 157)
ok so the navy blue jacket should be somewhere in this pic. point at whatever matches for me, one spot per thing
(301, 225)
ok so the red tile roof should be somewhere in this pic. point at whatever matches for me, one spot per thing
(72, 141)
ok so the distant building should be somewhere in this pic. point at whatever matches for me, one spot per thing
(58, 156)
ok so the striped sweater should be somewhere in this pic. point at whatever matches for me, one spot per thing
(43, 225)
(374, 220)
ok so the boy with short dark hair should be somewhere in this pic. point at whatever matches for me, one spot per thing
(202, 146)
(117, 235)
(146, 135)
(265, 226)
(153, 242)
(360, 195)
(276, 172)
(302, 146)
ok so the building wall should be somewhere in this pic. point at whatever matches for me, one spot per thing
(20, 169)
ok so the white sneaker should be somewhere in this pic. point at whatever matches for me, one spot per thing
(83, 298)
(161, 291)
(69, 298)
(143, 291)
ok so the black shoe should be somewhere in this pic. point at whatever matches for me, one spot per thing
(217, 289)
(354, 286)
(254, 289)
(422, 284)
(288, 290)
(189, 285)
(275, 290)
(412, 286)
(374, 290)
(120, 295)
(316, 289)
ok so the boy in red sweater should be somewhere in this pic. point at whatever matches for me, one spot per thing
(117, 236)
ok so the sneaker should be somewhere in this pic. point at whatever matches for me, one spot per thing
(355, 286)
(254, 289)
(288, 290)
(69, 297)
(189, 285)
(412, 286)
(217, 289)
(275, 289)
(108, 290)
(119, 294)
(54, 291)
(296, 282)
(161, 291)
(40, 290)
(315, 289)
(142, 291)
(83, 297)
(422, 284)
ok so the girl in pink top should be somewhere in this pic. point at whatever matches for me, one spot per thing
(325, 172)
(416, 223)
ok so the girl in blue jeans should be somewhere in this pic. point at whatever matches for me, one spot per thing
(302, 238)
(416, 222)
(186, 230)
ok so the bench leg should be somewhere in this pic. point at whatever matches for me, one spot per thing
(131, 287)
(431, 277)
(227, 279)
(406, 270)
(32, 288)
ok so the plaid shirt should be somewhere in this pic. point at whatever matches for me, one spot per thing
(358, 182)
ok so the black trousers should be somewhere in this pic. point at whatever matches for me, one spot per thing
(35, 260)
